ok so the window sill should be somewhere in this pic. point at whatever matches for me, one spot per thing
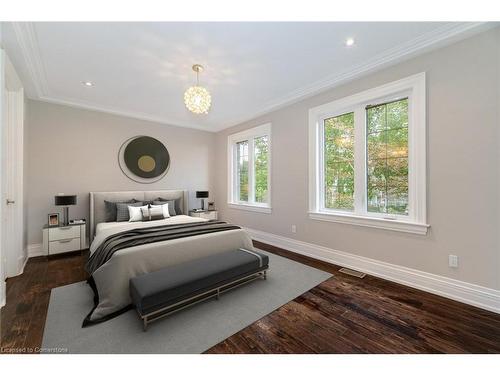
(372, 222)
(249, 207)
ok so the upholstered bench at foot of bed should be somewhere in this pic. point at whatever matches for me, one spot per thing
(160, 293)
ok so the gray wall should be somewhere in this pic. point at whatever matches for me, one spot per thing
(463, 173)
(75, 151)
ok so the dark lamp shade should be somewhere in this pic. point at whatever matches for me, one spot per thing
(202, 194)
(65, 200)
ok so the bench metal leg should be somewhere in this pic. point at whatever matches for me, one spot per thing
(265, 275)
(218, 294)
(145, 324)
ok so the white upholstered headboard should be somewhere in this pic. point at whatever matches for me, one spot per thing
(98, 212)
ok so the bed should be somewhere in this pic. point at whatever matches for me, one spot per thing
(110, 280)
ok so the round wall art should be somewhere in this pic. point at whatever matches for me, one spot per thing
(144, 159)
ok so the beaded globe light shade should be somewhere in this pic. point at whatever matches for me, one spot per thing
(197, 98)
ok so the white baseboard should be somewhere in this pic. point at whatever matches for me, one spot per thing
(21, 263)
(35, 250)
(3, 291)
(472, 294)
(23, 259)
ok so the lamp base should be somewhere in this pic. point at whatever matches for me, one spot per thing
(202, 204)
(66, 216)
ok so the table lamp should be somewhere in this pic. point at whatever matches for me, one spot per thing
(202, 195)
(66, 201)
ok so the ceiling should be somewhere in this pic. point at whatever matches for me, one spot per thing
(142, 69)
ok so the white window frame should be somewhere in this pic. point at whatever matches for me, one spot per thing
(248, 135)
(415, 222)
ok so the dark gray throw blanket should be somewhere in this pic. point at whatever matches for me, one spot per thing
(141, 236)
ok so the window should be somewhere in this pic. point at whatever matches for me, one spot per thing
(261, 169)
(338, 156)
(242, 171)
(387, 157)
(367, 158)
(249, 169)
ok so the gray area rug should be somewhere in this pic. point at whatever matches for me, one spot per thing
(193, 330)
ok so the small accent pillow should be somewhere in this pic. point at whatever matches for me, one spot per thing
(145, 213)
(163, 209)
(154, 213)
(122, 213)
(135, 212)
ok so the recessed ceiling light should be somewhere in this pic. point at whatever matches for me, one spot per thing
(349, 42)
(87, 83)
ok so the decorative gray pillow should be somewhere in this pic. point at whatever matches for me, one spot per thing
(176, 206)
(110, 209)
(122, 210)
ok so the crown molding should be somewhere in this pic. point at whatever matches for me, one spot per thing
(119, 112)
(424, 43)
(28, 41)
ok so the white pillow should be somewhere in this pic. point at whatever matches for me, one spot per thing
(164, 208)
(135, 213)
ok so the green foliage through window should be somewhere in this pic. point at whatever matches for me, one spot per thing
(387, 157)
(261, 155)
(339, 162)
(242, 170)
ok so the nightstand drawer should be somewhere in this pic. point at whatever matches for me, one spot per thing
(210, 215)
(64, 233)
(57, 240)
(63, 246)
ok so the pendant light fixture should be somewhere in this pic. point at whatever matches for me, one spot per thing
(197, 98)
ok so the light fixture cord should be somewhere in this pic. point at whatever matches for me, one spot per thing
(197, 77)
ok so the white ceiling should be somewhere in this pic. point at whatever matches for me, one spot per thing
(142, 69)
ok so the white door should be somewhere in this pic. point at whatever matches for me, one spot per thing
(13, 193)
(13, 252)
(2, 127)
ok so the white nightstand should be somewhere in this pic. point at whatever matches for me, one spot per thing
(63, 239)
(210, 215)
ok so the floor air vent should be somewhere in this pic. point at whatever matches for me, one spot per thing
(348, 271)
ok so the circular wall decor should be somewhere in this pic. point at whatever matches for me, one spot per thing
(144, 159)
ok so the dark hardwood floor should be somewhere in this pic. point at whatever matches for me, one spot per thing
(23, 316)
(341, 315)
